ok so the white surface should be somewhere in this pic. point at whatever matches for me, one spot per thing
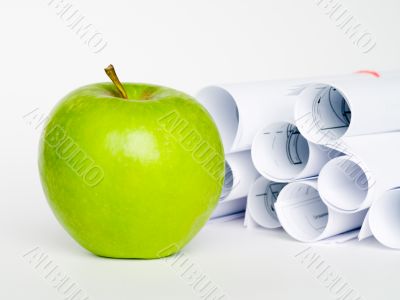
(186, 45)
(240, 261)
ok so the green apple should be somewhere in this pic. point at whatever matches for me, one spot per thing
(131, 170)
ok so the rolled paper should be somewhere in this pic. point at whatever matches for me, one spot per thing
(240, 110)
(343, 185)
(339, 107)
(261, 202)
(384, 218)
(365, 231)
(342, 238)
(306, 218)
(228, 208)
(352, 183)
(280, 153)
(239, 175)
(227, 218)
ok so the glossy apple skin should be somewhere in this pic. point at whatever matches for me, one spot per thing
(151, 195)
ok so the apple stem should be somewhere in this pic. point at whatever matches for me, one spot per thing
(110, 71)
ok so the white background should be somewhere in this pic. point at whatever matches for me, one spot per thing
(183, 44)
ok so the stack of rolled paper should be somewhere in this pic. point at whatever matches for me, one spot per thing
(318, 157)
